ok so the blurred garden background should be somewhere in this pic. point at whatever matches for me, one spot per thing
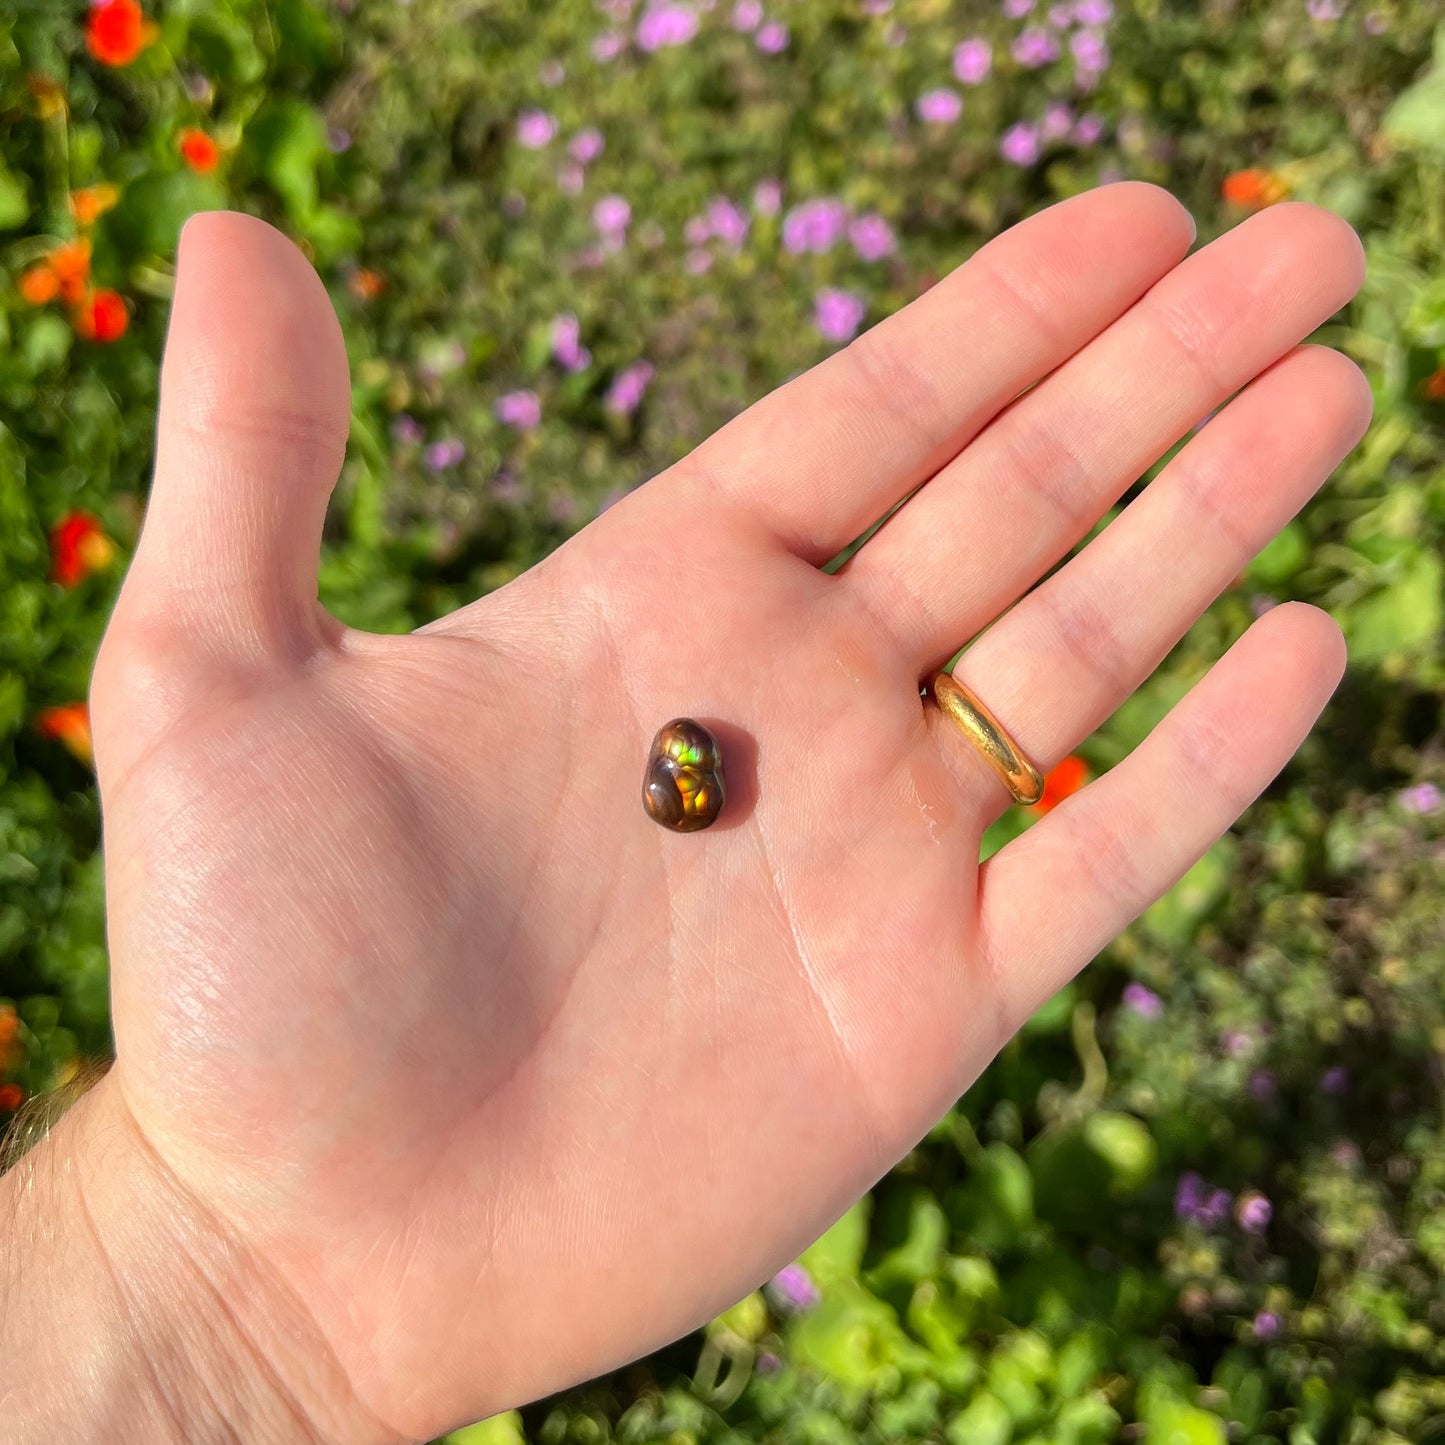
(1202, 1196)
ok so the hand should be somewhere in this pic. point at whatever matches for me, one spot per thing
(492, 1081)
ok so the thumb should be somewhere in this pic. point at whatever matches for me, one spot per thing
(255, 401)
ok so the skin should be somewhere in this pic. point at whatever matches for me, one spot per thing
(445, 1077)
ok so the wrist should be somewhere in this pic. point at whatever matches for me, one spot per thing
(129, 1313)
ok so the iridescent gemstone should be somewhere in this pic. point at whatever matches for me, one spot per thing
(683, 786)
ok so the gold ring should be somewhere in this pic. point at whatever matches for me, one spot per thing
(983, 730)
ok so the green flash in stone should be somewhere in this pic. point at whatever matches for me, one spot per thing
(682, 788)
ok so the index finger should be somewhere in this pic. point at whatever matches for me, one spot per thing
(822, 458)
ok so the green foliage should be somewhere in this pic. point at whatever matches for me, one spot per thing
(1034, 1270)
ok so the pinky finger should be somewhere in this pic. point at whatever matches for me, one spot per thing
(1101, 858)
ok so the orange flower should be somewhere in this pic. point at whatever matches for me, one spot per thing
(1252, 189)
(101, 317)
(198, 151)
(78, 547)
(71, 264)
(366, 285)
(49, 97)
(88, 205)
(116, 32)
(1063, 782)
(68, 725)
(1433, 386)
(39, 284)
(11, 1097)
(9, 1023)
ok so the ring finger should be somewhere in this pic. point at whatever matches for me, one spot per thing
(1060, 661)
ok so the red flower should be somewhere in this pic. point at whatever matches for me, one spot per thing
(68, 725)
(198, 151)
(115, 32)
(78, 547)
(11, 1097)
(101, 317)
(1063, 782)
(1433, 386)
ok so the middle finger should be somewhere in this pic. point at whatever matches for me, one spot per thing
(1036, 480)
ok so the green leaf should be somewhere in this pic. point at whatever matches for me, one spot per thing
(838, 1254)
(1417, 117)
(1403, 617)
(503, 1429)
(14, 200)
(986, 1421)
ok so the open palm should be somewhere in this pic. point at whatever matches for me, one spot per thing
(502, 1083)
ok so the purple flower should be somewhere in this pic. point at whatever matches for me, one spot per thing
(972, 60)
(338, 141)
(612, 215)
(696, 231)
(747, 14)
(1262, 1085)
(1196, 1203)
(519, 409)
(535, 128)
(586, 145)
(1335, 1080)
(838, 314)
(768, 197)
(1260, 603)
(567, 349)
(872, 237)
(1375, 23)
(1421, 799)
(814, 226)
(1323, 12)
(1188, 1194)
(1093, 12)
(877, 7)
(608, 46)
(794, 1288)
(1143, 1001)
(443, 454)
(628, 387)
(1057, 122)
(767, 1363)
(572, 178)
(726, 222)
(1254, 1212)
(666, 24)
(1267, 1325)
(551, 74)
(1020, 144)
(938, 107)
(1235, 1042)
(1090, 51)
(697, 262)
(1061, 16)
(1088, 128)
(618, 10)
(773, 38)
(1214, 1210)
(406, 430)
(1017, 9)
(1035, 47)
